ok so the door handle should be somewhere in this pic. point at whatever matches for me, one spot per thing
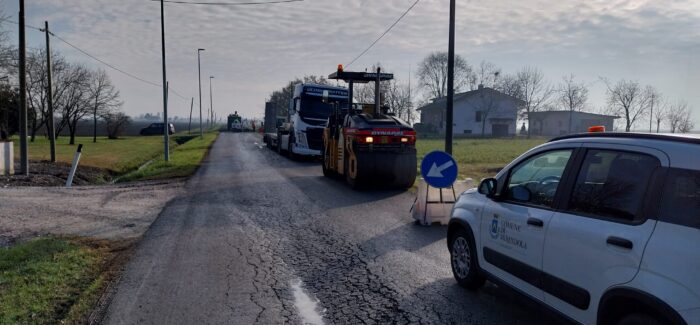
(535, 222)
(620, 242)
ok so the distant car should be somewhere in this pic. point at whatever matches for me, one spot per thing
(157, 129)
(601, 228)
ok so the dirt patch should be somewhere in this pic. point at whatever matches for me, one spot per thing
(46, 173)
(112, 212)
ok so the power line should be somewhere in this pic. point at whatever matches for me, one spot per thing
(383, 34)
(227, 3)
(96, 58)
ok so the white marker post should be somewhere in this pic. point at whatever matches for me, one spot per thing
(74, 167)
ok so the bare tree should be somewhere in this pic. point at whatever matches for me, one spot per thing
(679, 118)
(103, 96)
(115, 122)
(535, 91)
(659, 115)
(75, 103)
(572, 95)
(37, 84)
(653, 100)
(432, 74)
(627, 98)
(486, 104)
(7, 53)
(486, 74)
(509, 85)
(398, 98)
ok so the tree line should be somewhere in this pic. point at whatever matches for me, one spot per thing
(629, 99)
(78, 92)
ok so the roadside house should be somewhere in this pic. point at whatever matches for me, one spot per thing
(481, 112)
(555, 123)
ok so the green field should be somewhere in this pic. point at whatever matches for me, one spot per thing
(50, 281)
(117, 156)
(124, 155)
(480, 158)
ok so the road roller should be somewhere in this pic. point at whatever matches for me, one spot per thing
(365, 143)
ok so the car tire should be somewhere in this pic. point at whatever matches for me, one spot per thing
(639, 319)
(464, 261)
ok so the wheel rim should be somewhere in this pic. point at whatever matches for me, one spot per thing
(461, 257)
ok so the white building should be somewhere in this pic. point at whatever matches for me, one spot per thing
(555, 123)
(484, 111)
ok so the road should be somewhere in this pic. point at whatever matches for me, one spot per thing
(262, 239)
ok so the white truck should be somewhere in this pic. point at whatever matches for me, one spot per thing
(307, 116)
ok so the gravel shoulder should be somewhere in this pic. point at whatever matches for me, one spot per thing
(112, 212)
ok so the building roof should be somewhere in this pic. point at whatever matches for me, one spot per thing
(544, 114)
(439, 103)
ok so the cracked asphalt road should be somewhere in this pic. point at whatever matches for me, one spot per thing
(252, 223)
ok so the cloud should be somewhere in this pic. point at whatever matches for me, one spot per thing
(254, 49)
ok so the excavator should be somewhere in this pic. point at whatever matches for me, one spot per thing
(366, 143)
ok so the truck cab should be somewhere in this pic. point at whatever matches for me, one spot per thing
(308, 114)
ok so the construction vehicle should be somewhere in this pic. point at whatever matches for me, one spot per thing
(302, 133)
(365, 143)
(234, 123)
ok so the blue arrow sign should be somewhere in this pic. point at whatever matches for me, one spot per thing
(439, 169)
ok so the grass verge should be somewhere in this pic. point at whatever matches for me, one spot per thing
(52, 280)
(117, 156)
(184, 161)
(480, 158)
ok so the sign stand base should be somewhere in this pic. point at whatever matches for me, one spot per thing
(434, 205)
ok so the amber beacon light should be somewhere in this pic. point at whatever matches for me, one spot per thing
(596, 129)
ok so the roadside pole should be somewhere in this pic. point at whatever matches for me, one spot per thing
(450, 81)
(23, 152)
(199, 80)
(166, 126)
(211, 104)
(74, 166)
(189, 126)
(49, 94)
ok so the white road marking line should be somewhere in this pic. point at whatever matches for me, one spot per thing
(306, 305)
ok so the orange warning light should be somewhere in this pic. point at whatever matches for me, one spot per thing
(597, 128)
(340, 68)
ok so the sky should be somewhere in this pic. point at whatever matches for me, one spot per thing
(253, 50)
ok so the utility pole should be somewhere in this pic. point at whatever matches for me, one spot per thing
(409, 114)
(23, 152)
(199, 78)
(211, 104)
(166, 125)
(377, 95)
(189, 126)
(450, 80)
(49, 94)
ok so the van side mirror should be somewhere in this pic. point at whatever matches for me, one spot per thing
(489, 187)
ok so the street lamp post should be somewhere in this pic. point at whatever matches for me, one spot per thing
(166, 125)
(199, 69)
(211, 103)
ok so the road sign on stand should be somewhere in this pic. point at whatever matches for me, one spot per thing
(436, 194)
(439, 169)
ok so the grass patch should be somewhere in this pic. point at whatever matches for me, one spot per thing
(184, 161)
(480, 158)
(117, 156)
(50, 280)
